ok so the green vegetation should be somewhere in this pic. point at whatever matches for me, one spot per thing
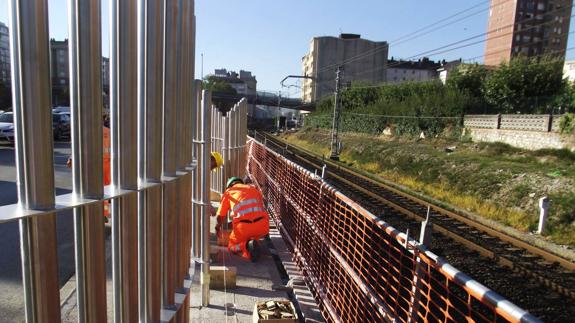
(567, 123)
(525, 85)
(493, 180)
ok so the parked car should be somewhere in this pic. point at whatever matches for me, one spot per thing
(61, 110)
(7, 126)
(61, 125)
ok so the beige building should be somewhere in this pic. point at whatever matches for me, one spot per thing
(401, 71)
(526, 27)
(569, 70)
(361, 60)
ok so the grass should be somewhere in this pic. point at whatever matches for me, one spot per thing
(495, 181)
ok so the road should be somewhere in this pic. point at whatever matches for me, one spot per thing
(11, 295)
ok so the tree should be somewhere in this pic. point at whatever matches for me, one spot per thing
(469, 78)
(526, 85)
(216, 84)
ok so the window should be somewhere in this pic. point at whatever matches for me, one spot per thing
(540, 6)
(62, 81)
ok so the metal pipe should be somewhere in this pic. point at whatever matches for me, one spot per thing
(205, 196)
(196, 212)
(86, 110)
(172, 30)
(30, 61)
(123, 110)
(150, 147)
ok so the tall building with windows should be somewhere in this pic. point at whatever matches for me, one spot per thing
(527, 27)
(4, 54)
(362, 60)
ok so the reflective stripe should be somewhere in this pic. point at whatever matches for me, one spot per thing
(244, 203)
(250, 210)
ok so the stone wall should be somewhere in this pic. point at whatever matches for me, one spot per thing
(531, 140)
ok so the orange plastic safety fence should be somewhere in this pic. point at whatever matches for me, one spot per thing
(357, 266)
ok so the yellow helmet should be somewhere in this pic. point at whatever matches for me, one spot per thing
(218, 158)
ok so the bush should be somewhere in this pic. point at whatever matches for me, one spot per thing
(411, 108)
(567, 123)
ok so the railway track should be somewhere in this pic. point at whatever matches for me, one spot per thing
(533, 278)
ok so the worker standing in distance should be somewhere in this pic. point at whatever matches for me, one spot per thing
(216, 160)
(250, 221)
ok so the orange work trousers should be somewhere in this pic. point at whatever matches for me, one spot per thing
(243, 232)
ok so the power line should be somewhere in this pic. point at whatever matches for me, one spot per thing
(440, 21)
(469, 38)
(446, 48)
(376, 50)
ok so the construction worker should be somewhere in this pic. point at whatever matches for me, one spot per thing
(216, 160)
(106, 143)
(250, 221)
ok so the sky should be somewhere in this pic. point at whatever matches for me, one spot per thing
(269, 37)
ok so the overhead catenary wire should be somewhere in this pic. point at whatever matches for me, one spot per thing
(446, 48)
(376, 50)
(460, 41)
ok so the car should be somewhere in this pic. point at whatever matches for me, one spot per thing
(61, 110)
(7, 126)
(61, 125)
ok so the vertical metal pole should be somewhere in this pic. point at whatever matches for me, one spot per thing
(205, 196)
(123, 108)
(196, 214)
(86, 109)
(225, 148)
(30, 63)
(171, 91)
(336, 114)
(150, 148)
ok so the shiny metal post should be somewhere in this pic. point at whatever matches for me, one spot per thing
(86, 108)
(204, 160)
(197, 187)
(123, 110)
(172, 29)
(150, 114)
(30, 60)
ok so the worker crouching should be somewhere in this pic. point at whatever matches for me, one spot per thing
(250, 221)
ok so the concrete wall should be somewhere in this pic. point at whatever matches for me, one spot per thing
(531, 140)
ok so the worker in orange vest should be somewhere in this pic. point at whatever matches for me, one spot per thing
(106, 163)
(250, 221)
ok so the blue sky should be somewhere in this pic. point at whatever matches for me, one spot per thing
(269, 37)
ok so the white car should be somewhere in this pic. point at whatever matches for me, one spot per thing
(7, 126)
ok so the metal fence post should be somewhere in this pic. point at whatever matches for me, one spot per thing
(30, 61)
(150, 147)
(205, 195)
(86, 110)
(171, 92)
(123, 109)
(196, 190)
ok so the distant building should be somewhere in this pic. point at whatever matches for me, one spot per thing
(446, 68)
(412, 71)
(365, 60)
(244, 83)
(105, 73)
(4, 54)
(569, 70)
(59, 64)
(527, 27)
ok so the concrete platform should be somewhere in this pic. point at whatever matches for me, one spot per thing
(272, 277)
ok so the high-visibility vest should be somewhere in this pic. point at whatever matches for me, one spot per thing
(245, 203)
(106, 156)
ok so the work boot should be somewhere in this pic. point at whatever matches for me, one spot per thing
(253, 250)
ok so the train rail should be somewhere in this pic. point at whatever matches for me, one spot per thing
(506, 261)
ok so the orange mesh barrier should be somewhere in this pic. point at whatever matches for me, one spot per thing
(358, 267)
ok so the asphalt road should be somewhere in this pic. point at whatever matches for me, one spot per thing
(11, 295)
